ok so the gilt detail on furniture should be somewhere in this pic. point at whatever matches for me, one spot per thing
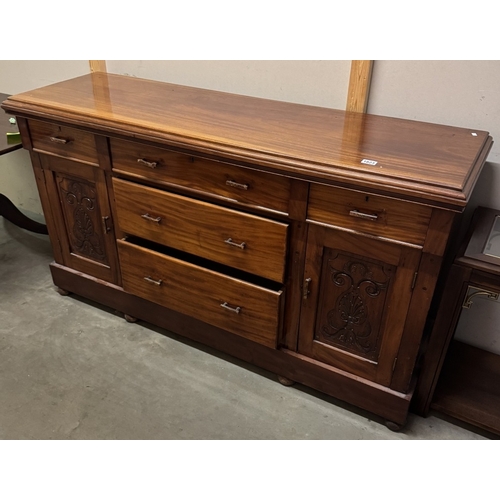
(304, 240)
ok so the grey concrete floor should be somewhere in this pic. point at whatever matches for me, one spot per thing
(73, 370)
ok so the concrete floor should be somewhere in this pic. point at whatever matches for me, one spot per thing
(70, 369)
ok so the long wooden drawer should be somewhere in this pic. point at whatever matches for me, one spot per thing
(242, 185)
(232, 304)
(386, 217)
(247, 242)
(63, 141)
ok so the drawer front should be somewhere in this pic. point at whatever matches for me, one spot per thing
(234, 305)
(247, 242)
(63, 141)
(377, 215)
(210, 177)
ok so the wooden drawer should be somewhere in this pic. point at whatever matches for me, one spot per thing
(63, 141)
(210, 177)
(377, 215)
(232, 304)
(247, 242)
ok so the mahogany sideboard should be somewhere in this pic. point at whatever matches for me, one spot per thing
(304, 240)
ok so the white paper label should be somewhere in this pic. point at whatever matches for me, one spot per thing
(369, 162)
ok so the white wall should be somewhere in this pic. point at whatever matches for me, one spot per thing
(17, 181)
(20, 76)
(319, 83)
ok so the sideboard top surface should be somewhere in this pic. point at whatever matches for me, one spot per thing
(430, 163)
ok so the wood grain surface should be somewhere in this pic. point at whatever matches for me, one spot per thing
(431, 162)
(377, 215)
(200, 292)
(200, 175)
(67, 142)
(247, 242)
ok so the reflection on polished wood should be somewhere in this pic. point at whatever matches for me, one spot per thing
(435, 162)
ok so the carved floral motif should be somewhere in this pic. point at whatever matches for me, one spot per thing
(353, 323)
(80, 200)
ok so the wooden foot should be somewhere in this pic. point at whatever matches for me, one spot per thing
(393, 426)
(62, 292)
(285, 381)
(129, 319)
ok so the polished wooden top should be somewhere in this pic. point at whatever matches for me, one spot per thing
(6, 145)
(430, 163)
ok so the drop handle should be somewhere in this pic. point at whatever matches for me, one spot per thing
(59, 140)
(105, 226)
(146, 163)
(306, 291)
(241, 245)
(227, 307)
(361, 215)
(237, 185)
(151, 218)
(153, 281)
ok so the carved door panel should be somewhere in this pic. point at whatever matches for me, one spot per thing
(356, 297)
(83, 217)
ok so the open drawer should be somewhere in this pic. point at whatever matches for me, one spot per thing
(237, 305)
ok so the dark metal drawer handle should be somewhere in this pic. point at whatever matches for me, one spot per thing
(59, 140)
(150, 164)
(361, 215)
(236, 310)
(152, 281)
(229, 241)
(105, 225)
(237, 185)
(152, 219)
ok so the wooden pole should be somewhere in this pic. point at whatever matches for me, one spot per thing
(100, 85)
(359, 86)
(97, 66)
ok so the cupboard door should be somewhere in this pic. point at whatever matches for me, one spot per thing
(356, 296)
(81, 210)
